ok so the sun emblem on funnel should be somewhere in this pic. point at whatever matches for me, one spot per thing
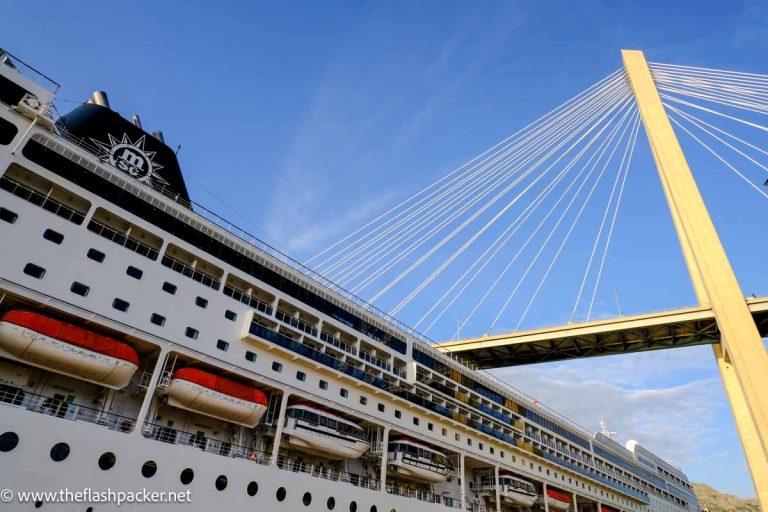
(131, 158)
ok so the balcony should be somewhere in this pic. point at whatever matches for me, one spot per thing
(331, 340)
(51, 406)
(365, 356)
(181, 438)
(46, 203)
(427, 497)
(295, 322)
(250, 300)
(120, 239)
(321, 471)
(192, 273)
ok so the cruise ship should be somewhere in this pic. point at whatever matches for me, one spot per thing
(146, 343)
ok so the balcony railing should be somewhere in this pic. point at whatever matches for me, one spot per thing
(365, 356)
(321, 471)
(46, 203)
(336, 342)
(179, 437)
(247, 299)
(192, 273)
(295, 322)
(51, 406)
(121, 239)
(425, 496)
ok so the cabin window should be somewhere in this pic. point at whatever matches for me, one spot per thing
(301, 376)
(230, 315)
(191, 333)
(222, 345)
(59, 452)
(8, 441)
(187, 476)
(278, 367)
(323, 384)
(107, 460)
(221, 482)
(201, 302)
(149, 469)
(96, 255)
(444, 432)
(398, 414)
(121, 305)
(430, 426)
(381, 407)
(280, 494)
(480, 445)
(34, 270)
(363, 400)
(331, 503)
(53, 236)
(157, 319)
(250, 356)
(252, 488)
(457, 437)
(80, 289)
(8, 216)
(415, 420)
(134, 272)
(169, 288)
(306, 499)
(343, 393)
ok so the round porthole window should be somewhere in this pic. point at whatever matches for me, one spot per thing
(187, 476)
(149, 469)
(221, 482)
(306, 499)
(252, 489)
(280, 494)
(8, 441)
(59, 452)
(107, 460)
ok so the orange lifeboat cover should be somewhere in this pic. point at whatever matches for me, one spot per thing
(72, 334)
(559, 495)
(221, 384)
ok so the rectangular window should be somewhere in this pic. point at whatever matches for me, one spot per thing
(191, 333)
(230, 315)
(398, 414)
(157, 319)
(343, 393)
(491, 450)
(34, 270)
(430, 426)
(96, 255)
(381, 407)
(250, 356)
(169, 288)
(201, 302)
(80, 289)
(415, 420)
(363, 400)
(469, 442)
(457, 437)
(8, 216)
(444, 432)
(301, 376)
(134, 272)
(480, 445)
(120, 305)
(222, 345)
(53, 236)
(278, 367)
(323, 384)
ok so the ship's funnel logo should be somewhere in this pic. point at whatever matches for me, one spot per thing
(132, 158)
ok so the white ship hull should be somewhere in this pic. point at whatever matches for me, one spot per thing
(28, 346)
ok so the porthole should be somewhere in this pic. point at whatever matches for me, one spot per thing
(107, 460)
(252, 488)
(307, 499)
(280, 494)
(149, 469)
(331, 503)
(59, 452)
(89, 509)
(186, 476)
(353, 506)
(373, 508)
(38, 504)
(8, 216)
(221, 482)
(8, 441)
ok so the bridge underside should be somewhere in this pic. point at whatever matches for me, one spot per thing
(640, 333)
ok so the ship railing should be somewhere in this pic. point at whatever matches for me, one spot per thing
(375, 361)
(122, 239)
(59, 408)
(471, 506)
(192, 273)
(28, 71)
(322, 471)
(425, 496)
(216, 446)
(44, 202)
(332, 340)
(429, 466)
(295, 322)
(250, 300)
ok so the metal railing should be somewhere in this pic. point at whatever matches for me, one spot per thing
(424, 496)
(28, 71)
(59, 408)
(332, 340)
(375, 361)
(44, 202)
(322, 471)
(122, 239)
(295, 322)
(247, 299)
(206, 444)
(193, 273)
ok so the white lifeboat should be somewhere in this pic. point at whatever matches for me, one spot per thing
(313, 428)
(60, 347)
(418, 461)
(516, 491)
(219, 397)
(557, 500)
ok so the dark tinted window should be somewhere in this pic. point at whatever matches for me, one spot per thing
(192, 333)
(250, 356)
(96, 255)
(230, 315)
(157, 319)
(134, 272)
(222, 345)
(53, 236)
(80, 289)
(8, 215)
(121, 305)
(8, 131)
(202, 302)
(170, 288)
(34, 270)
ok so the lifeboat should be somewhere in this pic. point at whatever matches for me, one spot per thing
(516, 491)
(557, 500)
(219, 397)
(45, 342)
(315, 429)
(418, 461)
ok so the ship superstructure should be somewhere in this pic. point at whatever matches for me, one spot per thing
(146, 343)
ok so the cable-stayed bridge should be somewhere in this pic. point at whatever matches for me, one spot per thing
(495, 229)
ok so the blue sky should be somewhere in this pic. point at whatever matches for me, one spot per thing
(300, 121)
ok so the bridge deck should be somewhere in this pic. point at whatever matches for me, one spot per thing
(639, 333)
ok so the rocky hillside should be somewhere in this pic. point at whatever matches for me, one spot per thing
(718, 502)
